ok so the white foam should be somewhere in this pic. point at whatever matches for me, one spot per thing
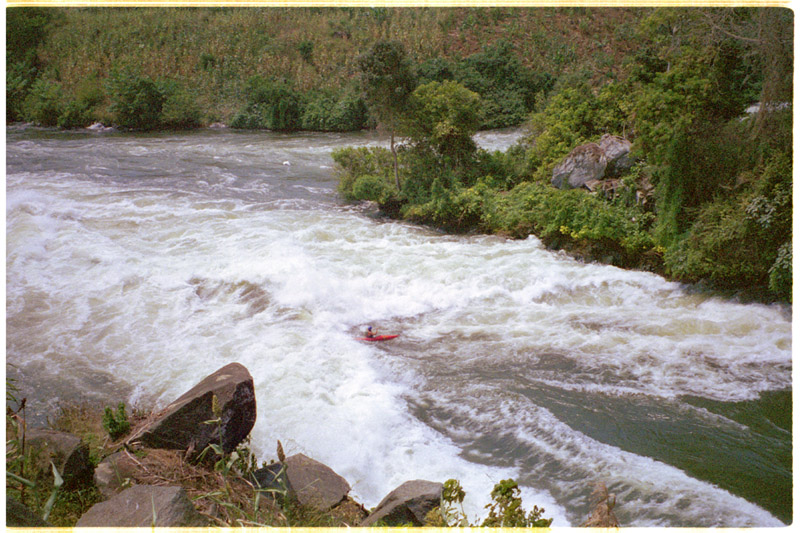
(159, 282)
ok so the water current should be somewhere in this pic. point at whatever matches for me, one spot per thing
(138, 264)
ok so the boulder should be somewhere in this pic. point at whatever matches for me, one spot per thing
(585, 163)
(313, 484)
(588, 163)
(409, 503)
(617, 151)
(114, 474)
(602, 515)
(68, 453)
(183, 425)
(145, 506)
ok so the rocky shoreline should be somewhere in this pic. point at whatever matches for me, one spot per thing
(204, 427)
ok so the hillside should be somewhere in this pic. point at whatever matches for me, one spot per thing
(212, 52)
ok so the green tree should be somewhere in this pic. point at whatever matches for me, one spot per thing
(444, 116)
(388, 81)
(507, 87)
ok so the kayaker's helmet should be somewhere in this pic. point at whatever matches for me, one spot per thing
(369, 328)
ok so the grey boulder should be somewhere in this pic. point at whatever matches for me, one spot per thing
(144, 506)
(409, 503)
(186, 423)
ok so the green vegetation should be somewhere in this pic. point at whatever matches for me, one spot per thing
(505, 509)
(709, 199)
(116, 424)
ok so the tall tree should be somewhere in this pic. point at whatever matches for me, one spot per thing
(445, 116)
(388, 81)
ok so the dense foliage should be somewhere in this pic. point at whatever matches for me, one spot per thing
(710, 198)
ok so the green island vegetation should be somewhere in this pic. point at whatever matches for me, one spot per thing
(218, 482)
(708, 200)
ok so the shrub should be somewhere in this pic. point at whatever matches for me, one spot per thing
(76, 114)
(505, 510)
(445, 116)
(44, 103)
(271, 104)
(116, 424)
(179, 110)
(780, 274)
(136, 101)
(375, 188)
(352, 163)
(506, 86)
(329, 111)
(19, 78)
(306, 49)
(574, 215)
(740, 241)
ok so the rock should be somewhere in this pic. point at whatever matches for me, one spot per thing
(349, 512)
(585, 163)
(19, 515)
(409, 503)
(314, 484)
(68, 453)
(602, 514)
(273, 478)
(114, 474)
(182, 425)
(607, 158)
(217, 126)
(617, 151)
(97, 126)
(145, 506)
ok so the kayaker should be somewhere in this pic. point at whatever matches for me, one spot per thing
(370, 333)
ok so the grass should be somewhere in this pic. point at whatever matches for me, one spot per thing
(215, 50)
(225, 498)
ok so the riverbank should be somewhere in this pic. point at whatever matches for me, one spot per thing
(197, 448)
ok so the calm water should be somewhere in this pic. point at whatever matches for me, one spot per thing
(138, 264)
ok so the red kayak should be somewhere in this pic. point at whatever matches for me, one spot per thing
(378, 338)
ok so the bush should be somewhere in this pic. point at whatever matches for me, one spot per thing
(19, 78)
(136, 101)
(328, 111)
(505, 510)
(374, 188)
(574, 215)
(780, 274)
(445, 116)
(741, 241)
(353, 163)
(76, 114)
(507, 88)
(179, 110)
(116, 424)
(271, 104)
(44, 103)
(306, 49)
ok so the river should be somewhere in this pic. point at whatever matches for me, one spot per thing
(138, 264)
